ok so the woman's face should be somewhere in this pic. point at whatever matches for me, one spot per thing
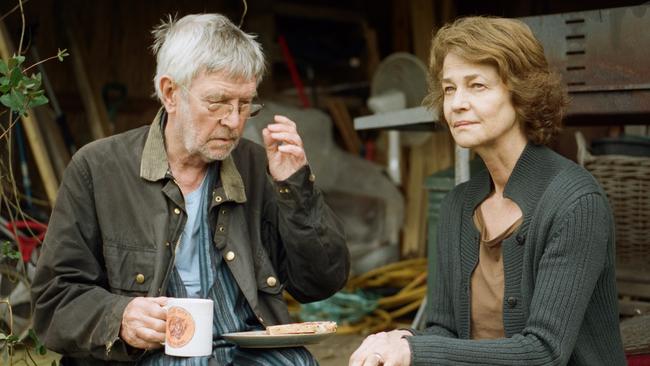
(477, 104)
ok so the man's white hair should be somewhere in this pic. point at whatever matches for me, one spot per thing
(205, 43)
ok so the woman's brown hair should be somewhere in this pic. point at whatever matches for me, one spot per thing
(537, 93)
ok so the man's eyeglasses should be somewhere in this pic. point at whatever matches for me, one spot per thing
(220, 110)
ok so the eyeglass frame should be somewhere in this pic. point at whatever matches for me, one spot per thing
(251, 114)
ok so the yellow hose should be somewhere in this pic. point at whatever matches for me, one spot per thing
(408, 275)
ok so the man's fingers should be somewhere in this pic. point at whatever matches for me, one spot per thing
(154, 324)
(269, 143)
(162, 301)
(292, 149)
(288, 137)
(284, 120)
(147, 335)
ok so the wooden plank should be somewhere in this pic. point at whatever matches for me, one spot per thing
(400, 35)
(372, 49)
(343, 122)
(633, 307)
(32, 131)
(415, 214)
(93, 103)
(633, 289)
(56, 147)
(435, 154)
(422, 27)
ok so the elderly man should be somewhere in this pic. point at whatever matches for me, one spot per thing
(186, 208)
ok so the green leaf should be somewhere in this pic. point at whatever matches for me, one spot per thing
(17, 101)
(2, 336)
(15, 77)
(36, 101)
(9, 251)
(4, 69)
(37, 78)
(4, 82)
(13, 339)
(5, 99)
(61, 53)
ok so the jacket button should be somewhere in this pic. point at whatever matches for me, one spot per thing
(177, 211)
(271, 281)
(260, 319)
(218, 198)
(512, 301)
(520, 239)
(221, 229)
(223, 212)
(139, 278)
(312, 178)
(230, 256)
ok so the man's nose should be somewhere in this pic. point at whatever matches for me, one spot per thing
(232, 120)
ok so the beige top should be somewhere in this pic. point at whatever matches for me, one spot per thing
(486, 294)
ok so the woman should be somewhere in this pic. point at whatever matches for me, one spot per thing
(525, 271)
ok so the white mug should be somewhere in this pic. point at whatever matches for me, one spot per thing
(188, 330)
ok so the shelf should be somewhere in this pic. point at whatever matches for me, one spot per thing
(410, 119)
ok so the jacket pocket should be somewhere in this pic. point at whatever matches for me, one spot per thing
(272, 304)
(129, 267)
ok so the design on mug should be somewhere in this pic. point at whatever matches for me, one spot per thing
(180, 327)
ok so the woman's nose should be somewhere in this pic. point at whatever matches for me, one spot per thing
(459, 100)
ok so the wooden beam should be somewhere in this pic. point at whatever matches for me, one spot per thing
(93, 103)
(422, 27)
(372, 49)
(415, 213)
(343, 122)
(56, 147)
(32, 131)
(400, 34)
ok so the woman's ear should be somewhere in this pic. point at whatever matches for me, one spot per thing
(169, 94)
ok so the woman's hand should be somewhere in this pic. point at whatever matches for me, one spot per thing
(385, 348)
(283, 148)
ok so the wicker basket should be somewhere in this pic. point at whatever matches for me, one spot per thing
(636, 335)
(626, 180)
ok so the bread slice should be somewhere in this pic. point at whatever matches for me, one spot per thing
(302, 328)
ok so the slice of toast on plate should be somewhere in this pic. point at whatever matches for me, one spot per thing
(302, 328)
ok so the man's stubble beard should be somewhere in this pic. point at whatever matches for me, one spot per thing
(193, 146)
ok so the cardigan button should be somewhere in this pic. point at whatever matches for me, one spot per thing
(512, 301)
(520, 239)
(271, 281)
(139, 278)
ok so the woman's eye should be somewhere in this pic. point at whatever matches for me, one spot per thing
(448, 89)
(478, 86)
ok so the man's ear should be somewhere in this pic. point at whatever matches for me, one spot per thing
(169, 94)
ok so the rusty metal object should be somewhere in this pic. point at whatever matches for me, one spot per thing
(603, 58)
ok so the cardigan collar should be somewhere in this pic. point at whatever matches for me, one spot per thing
(524, 185)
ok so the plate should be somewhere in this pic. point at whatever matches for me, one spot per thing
(259, 339)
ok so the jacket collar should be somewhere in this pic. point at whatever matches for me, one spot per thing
(154, 165)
